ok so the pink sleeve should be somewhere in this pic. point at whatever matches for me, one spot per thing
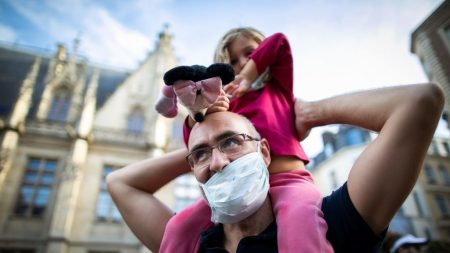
(182, 233)
(275, 52)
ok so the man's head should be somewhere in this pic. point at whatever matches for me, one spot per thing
(230, 162)
(214, 130)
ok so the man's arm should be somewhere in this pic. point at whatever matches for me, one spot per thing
(132, 190)
(385, 173)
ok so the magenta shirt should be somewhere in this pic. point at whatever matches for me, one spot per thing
(271, 109)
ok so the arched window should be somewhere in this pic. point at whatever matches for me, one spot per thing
(60, 105)
(36, 189)
(106, 209)
(136, 121)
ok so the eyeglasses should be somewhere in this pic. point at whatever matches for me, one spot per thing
(230, 146)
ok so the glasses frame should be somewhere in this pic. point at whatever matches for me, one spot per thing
(245, 136)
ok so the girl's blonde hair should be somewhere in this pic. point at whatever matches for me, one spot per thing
(221, 54)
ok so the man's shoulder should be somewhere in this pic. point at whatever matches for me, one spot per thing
(347, 230)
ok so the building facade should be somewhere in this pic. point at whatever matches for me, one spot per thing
(64, 125)
(430, 41)
(425, 212)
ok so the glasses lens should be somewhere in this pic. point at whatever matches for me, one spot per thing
(232, 144)
(229, 146)
(200, 157)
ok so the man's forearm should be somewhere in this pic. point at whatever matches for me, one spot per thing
(151, 174)
(384, 174)
(132, 190)
(371, 109)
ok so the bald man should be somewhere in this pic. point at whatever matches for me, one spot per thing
(357, 214)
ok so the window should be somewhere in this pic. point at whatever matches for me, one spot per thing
(328, 149)
(334, 179)
(429, 173)
(60, 105)
(354, 136)
(177, 131)
(106, 210)
(427, 232)
(434, 148)
(447, 148)
(418, 205)
(444, 174)
(186, 191)
(36, 187)
(442, 206)
(447, 32)
(136, 121)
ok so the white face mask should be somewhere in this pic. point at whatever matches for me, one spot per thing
(239, 190)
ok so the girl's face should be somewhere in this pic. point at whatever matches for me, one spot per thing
(239, 50)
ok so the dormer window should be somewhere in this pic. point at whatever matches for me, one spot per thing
(60, 105)
(136, 121)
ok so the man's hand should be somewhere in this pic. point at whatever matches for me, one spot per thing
(303, 111)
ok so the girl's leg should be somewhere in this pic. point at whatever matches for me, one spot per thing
(297, 207)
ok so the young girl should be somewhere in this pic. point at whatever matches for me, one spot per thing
(270, 107)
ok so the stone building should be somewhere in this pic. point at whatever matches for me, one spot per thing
(64, 125)
(425, 212)
(430, 41)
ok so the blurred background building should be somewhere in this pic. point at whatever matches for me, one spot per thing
(426, 211)
(65, 124)
(431, 43)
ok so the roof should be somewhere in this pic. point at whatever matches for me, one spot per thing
(16, 62)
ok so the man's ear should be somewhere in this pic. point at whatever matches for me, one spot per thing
(265, 151)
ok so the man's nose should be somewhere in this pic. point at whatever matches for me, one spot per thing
(218, 161)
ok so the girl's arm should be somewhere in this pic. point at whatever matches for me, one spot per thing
(132, 190)
(273, 53)
(385, 173)
(243, 81)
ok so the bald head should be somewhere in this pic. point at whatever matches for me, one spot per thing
(218, 124)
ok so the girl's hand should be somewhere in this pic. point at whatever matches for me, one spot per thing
(221, 105)
(303, 114)
(239, 86)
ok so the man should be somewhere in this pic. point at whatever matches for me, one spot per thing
(357, 214)
(409, 244)
(235, 181)
(397, 243)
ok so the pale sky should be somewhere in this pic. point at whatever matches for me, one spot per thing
(338, 45)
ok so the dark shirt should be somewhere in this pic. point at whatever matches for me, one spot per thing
(211, 240)
(347, 231)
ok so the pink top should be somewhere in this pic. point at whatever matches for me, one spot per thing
(271, 109)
